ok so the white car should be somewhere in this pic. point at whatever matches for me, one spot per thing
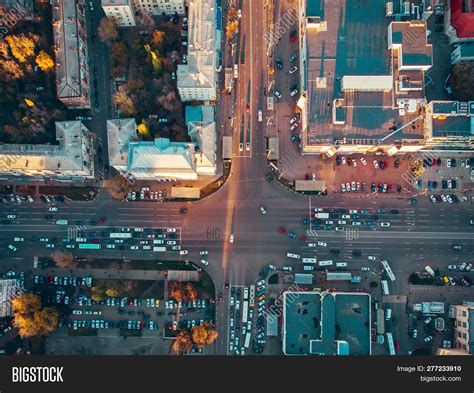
(76, 312)
(342, 222)
(183, 252)
(311, 244)
(170, 242)
(322, 244)
(371, 258)
(110, 246)
(133, 247)
(343, 161)
(293, 70)
(450, 200)
(348, 186)
(30, 199)
(353, 186)
(171, 230)
(49, 245)
(353, 211)
(385, 224)
(365, 269)
(363, 160)
(346, 216)
(376, 164)
(354, 163)
(53, 209)
(11, 247)
(231, 239)
(247, 146)
(343, 187)
(19, 239)
(203, 252)
(11, 216)
(204, 262)
(241, 147)
(443, 198)
(262, 209)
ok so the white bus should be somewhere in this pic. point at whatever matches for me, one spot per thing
(388, 270)
(391, 345)
(120, 235)
(247, 340)
(325, 263)
(385, 290)
(245, 311)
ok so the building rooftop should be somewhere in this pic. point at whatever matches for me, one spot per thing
(120, 132)
(203, 135)
(199, 113)
(71, 50)
(115, 2)
(200, 71)
(162, 159)
(72, 154)
(328, 323)
(462, 17)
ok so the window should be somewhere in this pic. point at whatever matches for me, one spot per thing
(464, 324)
(464, 313)
(464, 347)
(459, 334)
(464, 336)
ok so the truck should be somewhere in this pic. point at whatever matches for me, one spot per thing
(321, 216)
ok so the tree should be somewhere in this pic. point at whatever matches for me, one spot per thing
(31, 319)
(417, 168)
(145, 22)
(204, 334)
(21, 46)
(182, 343)
(118, 187)
(125, 103)
(158, 40)
(10, 70)
(143, 129)
(462, 81)
(231, 29)
(112, 292)
(169, 101)
(64, 259)
(107, 30)
(44, 61)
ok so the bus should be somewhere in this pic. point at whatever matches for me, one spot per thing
(120, 235)
(89, 246)
(385, 290)
(247, 340)
(388, 270)
(245, 311)
(325, 263)
(391, 345)
(252, 295)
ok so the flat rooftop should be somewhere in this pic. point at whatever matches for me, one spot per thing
(354, 43)
(326, 323)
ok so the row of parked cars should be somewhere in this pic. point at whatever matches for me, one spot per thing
(63, 281)
(378, 164)
(16, 199)
(195, 304)
(444, 198)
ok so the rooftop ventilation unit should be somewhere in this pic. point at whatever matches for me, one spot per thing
(389, 8)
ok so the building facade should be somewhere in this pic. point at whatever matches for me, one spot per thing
(464, 327)
(120, 10)
(158, 7)
(72, 56)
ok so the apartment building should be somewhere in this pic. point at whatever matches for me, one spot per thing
(158, 7)
(121, 11)
(72, 57)
(464, 327)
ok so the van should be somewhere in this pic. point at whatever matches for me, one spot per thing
(158, 241)
(294, 256)
(341, 264)
(146, 248)
(309, 260)
(236, 71)
(325, 263)
(308, 268)
(287, 268)
(260, 115)
(81, 240)
(18, 239)
(388, 314)
(61, 222)
(429, 270)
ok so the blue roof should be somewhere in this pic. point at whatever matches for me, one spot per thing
(193, 113)
(219, 18)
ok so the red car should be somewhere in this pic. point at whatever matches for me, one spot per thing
(221, 298)
(248, 108)
(397, 345)
(282, 230)
(303, 238)
(293, 36)
(95, 241)
(386, 164)
(101, 220)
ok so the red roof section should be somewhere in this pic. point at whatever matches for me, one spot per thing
(463, 22)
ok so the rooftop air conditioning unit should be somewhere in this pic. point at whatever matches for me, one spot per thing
(389, 8)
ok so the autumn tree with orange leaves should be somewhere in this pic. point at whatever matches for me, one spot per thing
(183, 343)
(204, 334)
(31, 319)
